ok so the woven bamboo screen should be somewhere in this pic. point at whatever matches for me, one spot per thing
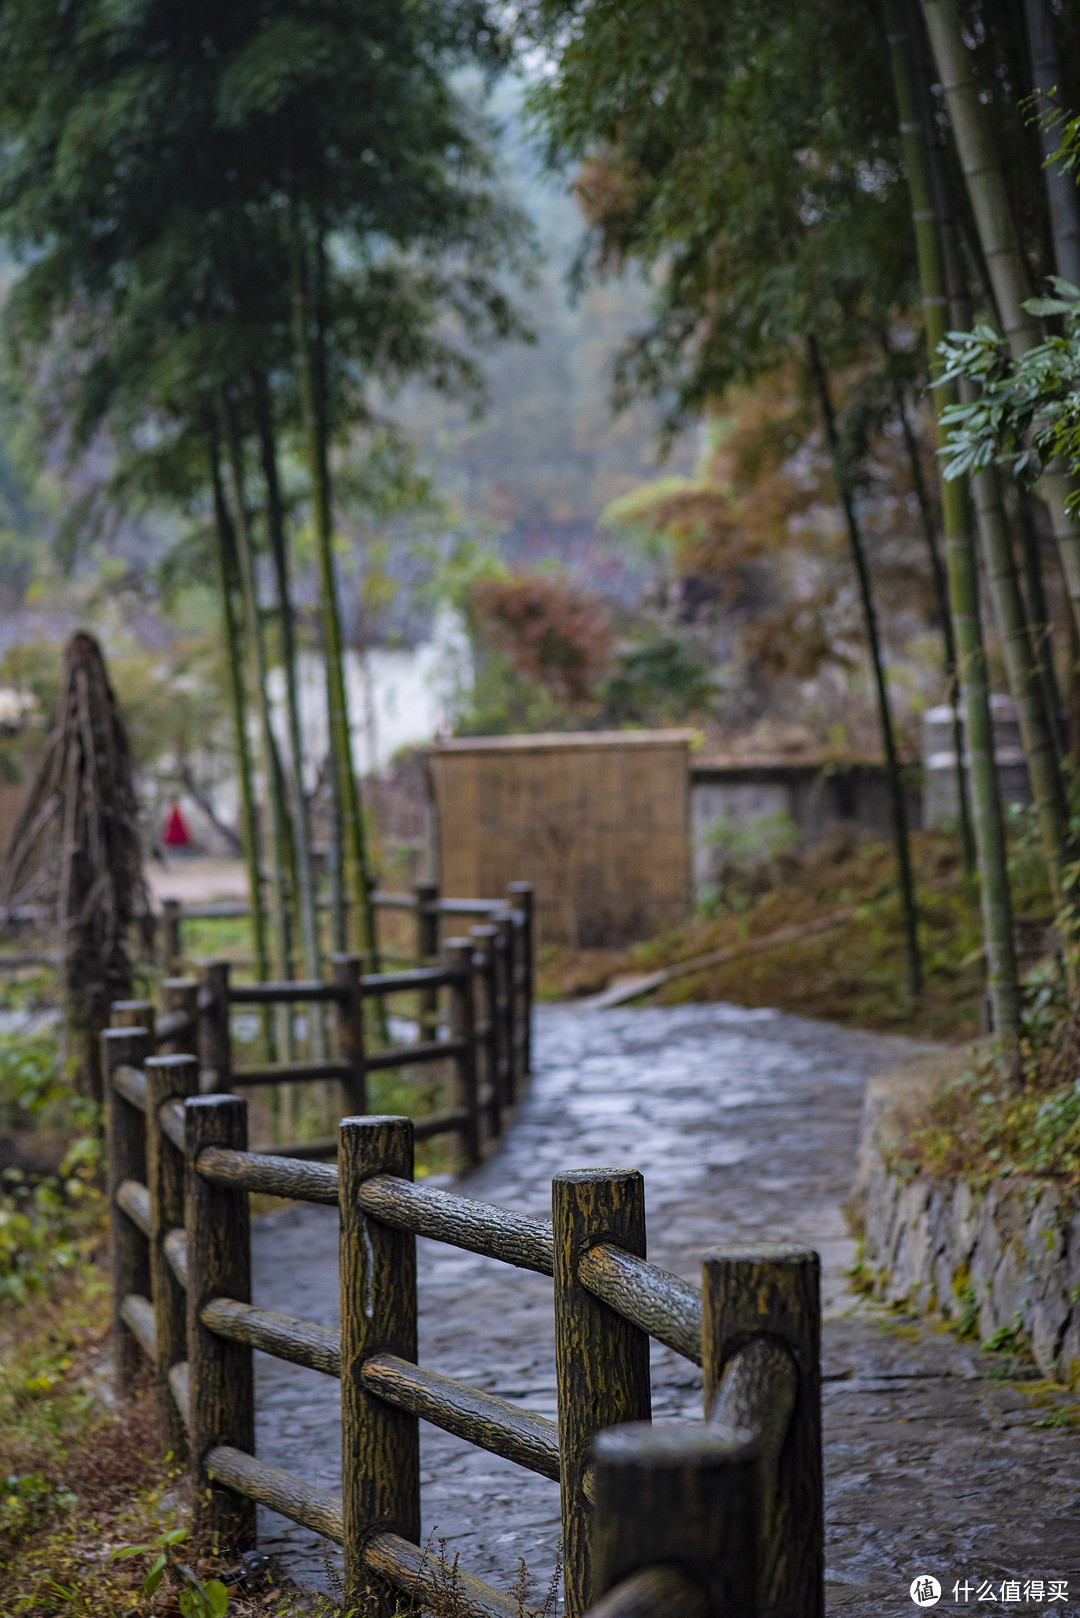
(598, 821)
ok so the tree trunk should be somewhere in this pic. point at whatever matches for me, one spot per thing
(311, 340)
(892, 761)
(994, 888)
(228, 569)
(997, 233)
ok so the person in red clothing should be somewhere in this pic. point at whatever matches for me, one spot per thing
(176, 834)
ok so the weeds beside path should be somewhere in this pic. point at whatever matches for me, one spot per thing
(852, 973)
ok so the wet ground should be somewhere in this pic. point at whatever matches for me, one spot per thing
(744, 1124)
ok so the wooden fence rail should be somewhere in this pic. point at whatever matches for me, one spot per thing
(665, 1520)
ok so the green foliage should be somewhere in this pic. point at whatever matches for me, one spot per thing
(748, 858)
(748, 155)
(47, 1222)
(1025, 412)
(34, 1093)
(195, 1598)
(663, 678)
(970, 1130)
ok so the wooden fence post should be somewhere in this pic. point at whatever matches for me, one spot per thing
(380, 1445)
(677, 1495)
(601, 1361)
(427, 953)
(486, 1029)
(181, 994)
(347, 970)
(171, 948)
(125, 1144)
(523, 899)
(215, 1045)
(133, 1014)
(457, 953)
(502, 946)
(774, 1292)
(168, 1078)
(220, 1375)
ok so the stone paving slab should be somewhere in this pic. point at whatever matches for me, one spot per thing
(744, 1124)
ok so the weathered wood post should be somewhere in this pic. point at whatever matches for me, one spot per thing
(427, 954)
(347, 970)
(172, 952)
(180, 997)
(133, 1014)
(380, 1445)
(601, 1360)
(168, 1078)
(677, 1497)
(457, 955)
(215, 1045)
(523, 899)
(220, 1374)
(492, 1099)
(774, 1292)
(502, 946)
(125, 1139)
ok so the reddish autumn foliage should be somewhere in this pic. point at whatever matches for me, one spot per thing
(550, 631)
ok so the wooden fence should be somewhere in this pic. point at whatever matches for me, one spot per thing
(486, 1021)
(666, 1520)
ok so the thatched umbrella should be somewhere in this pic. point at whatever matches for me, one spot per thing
(75, 851)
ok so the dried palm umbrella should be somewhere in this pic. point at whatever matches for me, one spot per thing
(75, 852)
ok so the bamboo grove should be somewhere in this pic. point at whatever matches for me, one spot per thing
(824, 180)
(231, 225)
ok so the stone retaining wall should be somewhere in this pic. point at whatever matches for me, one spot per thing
(1003, 1258)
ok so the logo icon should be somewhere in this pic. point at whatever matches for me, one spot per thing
(925, 1590)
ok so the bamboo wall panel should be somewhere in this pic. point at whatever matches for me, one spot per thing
(598, 822)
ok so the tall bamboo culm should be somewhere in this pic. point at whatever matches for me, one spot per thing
(959, 553)
(310, 342)
(228, 569)
(998, 239)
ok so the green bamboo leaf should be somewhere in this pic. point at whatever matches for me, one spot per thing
(1049, 306)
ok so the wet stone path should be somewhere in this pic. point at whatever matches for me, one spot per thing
(744, 1124)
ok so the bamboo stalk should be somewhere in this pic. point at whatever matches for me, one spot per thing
(301, 820)
(309, 318)
(997, 234)
(948, 635)
(227, 572)
(256, 640)
(1060, 184)
(897, 807)
(1038, 617)
(1022, 669)
(959, 551)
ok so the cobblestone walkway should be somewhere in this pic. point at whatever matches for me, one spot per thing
(744, 1125)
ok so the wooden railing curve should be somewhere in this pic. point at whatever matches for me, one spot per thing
(509, 969)
(665, 1520)
(484, 1033)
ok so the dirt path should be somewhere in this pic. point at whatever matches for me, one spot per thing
(744, 1124)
